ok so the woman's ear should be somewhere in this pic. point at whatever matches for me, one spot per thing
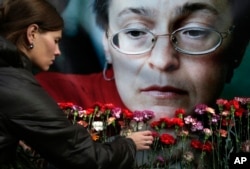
(105, 43)
(31, 32)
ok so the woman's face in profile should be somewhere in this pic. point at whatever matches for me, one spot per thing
(163, 79)
(46, 49)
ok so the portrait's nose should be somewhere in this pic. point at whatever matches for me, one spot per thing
(163, 55)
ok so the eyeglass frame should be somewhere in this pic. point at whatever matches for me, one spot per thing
(222, 36)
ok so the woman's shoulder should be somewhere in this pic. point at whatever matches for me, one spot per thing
(11, 77)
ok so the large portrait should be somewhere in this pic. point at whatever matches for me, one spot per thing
(160, 56)
(83, 53)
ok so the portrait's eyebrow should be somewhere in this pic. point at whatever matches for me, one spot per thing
(138, 10)
(189, 8)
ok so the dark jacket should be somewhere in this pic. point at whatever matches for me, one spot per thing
(28, 113)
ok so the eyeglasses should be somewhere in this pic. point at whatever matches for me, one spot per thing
(186, 40)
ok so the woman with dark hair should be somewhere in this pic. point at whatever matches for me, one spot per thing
(28, 113)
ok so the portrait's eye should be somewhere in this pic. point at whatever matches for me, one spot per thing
(195, 33)
(137, 34)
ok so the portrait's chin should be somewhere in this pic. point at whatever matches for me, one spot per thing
(161, 111)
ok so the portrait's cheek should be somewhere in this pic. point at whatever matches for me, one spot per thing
(209, 79)
(126, 72)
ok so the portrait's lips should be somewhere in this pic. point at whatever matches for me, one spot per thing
(163, 92)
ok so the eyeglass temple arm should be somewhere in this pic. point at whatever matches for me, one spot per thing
(229, 31)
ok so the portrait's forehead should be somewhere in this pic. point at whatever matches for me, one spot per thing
(216, 11)
(212, 5)
(148, 7)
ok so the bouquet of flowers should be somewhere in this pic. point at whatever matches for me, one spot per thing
(205, 139)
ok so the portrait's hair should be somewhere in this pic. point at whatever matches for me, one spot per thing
(100, 8)
(17, 15)
(241, 34)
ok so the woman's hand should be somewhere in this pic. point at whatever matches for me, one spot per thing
(142, 139)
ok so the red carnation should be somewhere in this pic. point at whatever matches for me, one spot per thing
(108, 106)
(177, 121)
(155, 125)
(128, 114)
(196, 144)
(207, 146)
(65, 105)
(167, 139)
(179, 113)
(239, 112)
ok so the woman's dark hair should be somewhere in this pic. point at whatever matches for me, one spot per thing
(17, 15)
(7, 47)
(9, 53)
